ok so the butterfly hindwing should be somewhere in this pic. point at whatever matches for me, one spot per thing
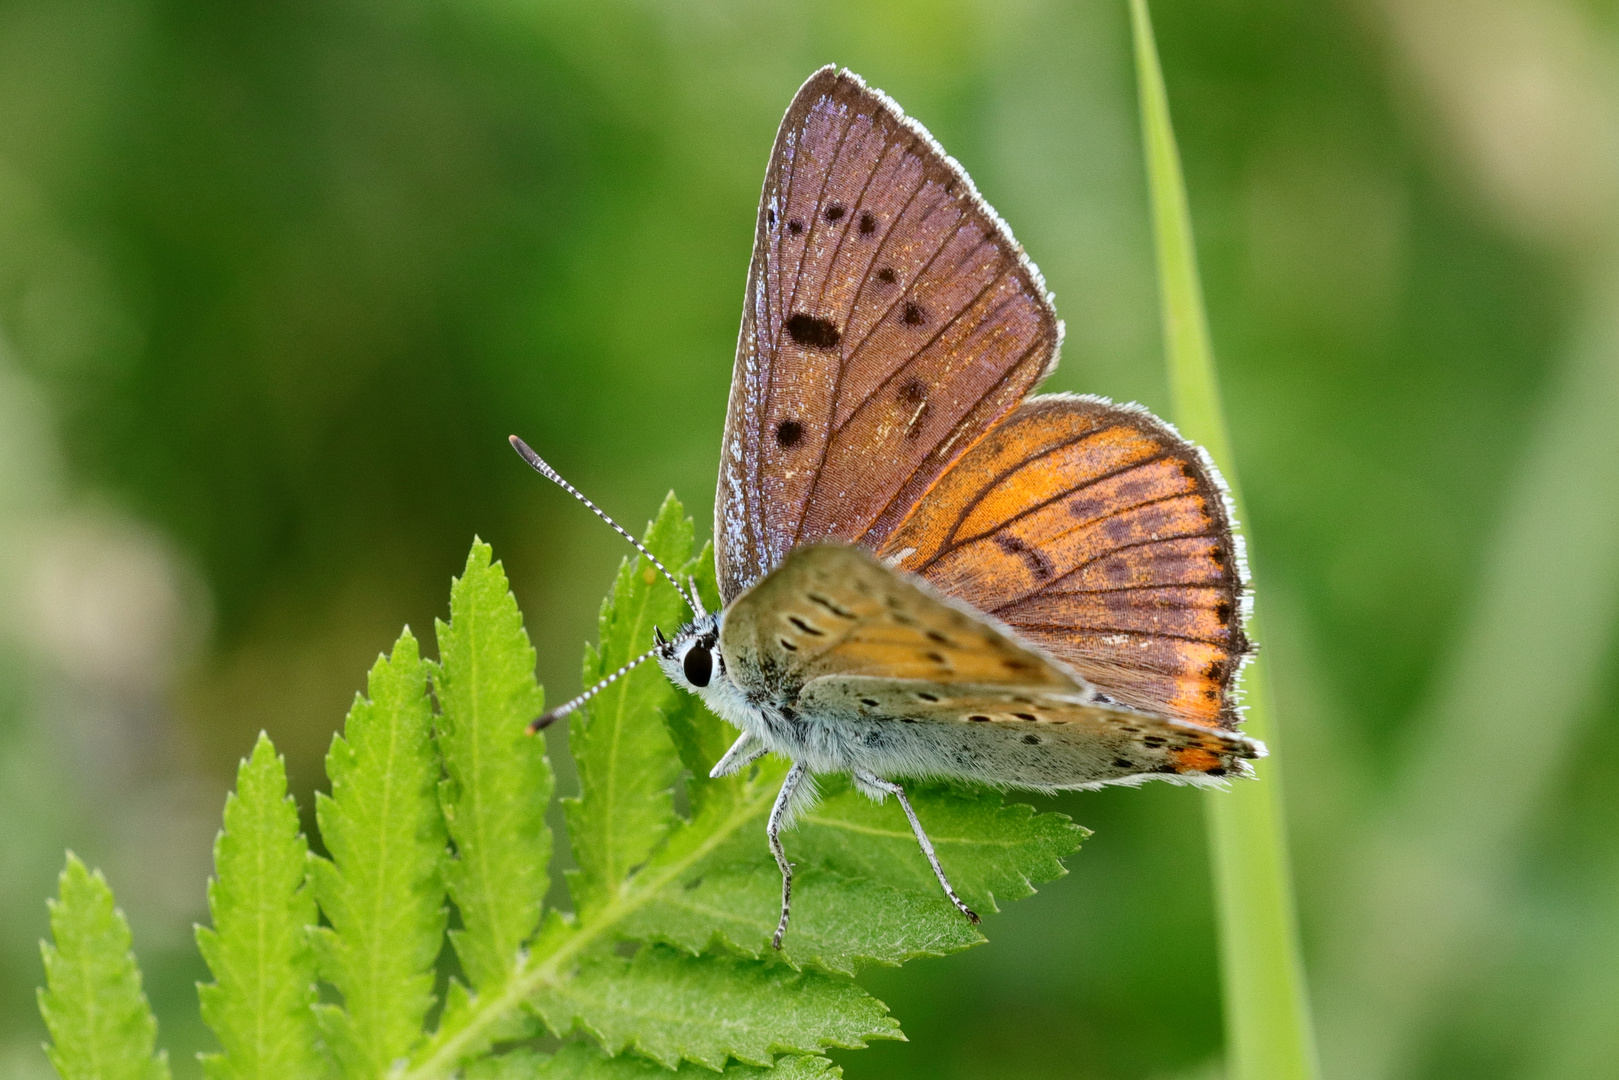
(933, 689)
(890, 318)
(1099, 534)
(1030, 738)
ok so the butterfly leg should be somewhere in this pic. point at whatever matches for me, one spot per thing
(778, 814)
(870, 780)
(744, 752)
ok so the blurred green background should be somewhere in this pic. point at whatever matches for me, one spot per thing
(277, 279)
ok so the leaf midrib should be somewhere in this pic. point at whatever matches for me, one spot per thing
(443, 1058)
(480, 819)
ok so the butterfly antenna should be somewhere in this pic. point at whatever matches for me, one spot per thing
(540, 723)
(539, 465)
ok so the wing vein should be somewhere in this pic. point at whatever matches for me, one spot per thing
(958, 545)
(1000, 382)
(815, 484)
(1094, 559)
(844, 361)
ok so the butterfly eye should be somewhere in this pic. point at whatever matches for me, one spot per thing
(699, 665)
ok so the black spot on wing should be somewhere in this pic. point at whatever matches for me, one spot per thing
(808, 628)
(834, 212)
(795, 226)
(1039, 563)
(868, 223)
(814, 332)
(788, 433)
(817, 598)
(912, 315)
(887, 276)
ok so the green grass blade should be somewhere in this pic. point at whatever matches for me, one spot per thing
(101, 1026)
(260, 1005)
(1268, 1026)
(498, 779)
(382, 890)
(627, 762)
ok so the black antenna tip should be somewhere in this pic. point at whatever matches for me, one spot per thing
(540, 723)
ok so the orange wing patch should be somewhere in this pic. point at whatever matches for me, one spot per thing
(1101, 535)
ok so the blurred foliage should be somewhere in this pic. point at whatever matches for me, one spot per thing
(276, 281)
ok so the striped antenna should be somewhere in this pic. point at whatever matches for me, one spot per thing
(539, 465)
(540, 723)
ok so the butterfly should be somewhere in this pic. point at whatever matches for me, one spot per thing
(926, 572)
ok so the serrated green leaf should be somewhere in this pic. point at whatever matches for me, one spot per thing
(671, 1007)
(259, 1004)
(877, 901)
(993, 850)
(711, 882)
(627, 763)
(581, 1061)
(840, 924)
(498, 779)
(100, 1023)
(382, 890)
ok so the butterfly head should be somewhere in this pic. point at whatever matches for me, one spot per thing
(691, 659)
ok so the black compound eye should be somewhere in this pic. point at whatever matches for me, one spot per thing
(699, 665)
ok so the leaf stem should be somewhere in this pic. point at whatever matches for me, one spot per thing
(445, 1053)
(1267, 1017)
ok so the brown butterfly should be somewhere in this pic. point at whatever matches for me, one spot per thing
(926, 572)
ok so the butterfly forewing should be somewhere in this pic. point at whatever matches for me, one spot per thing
(1100, 535)
(833, 634)
(890, 320)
